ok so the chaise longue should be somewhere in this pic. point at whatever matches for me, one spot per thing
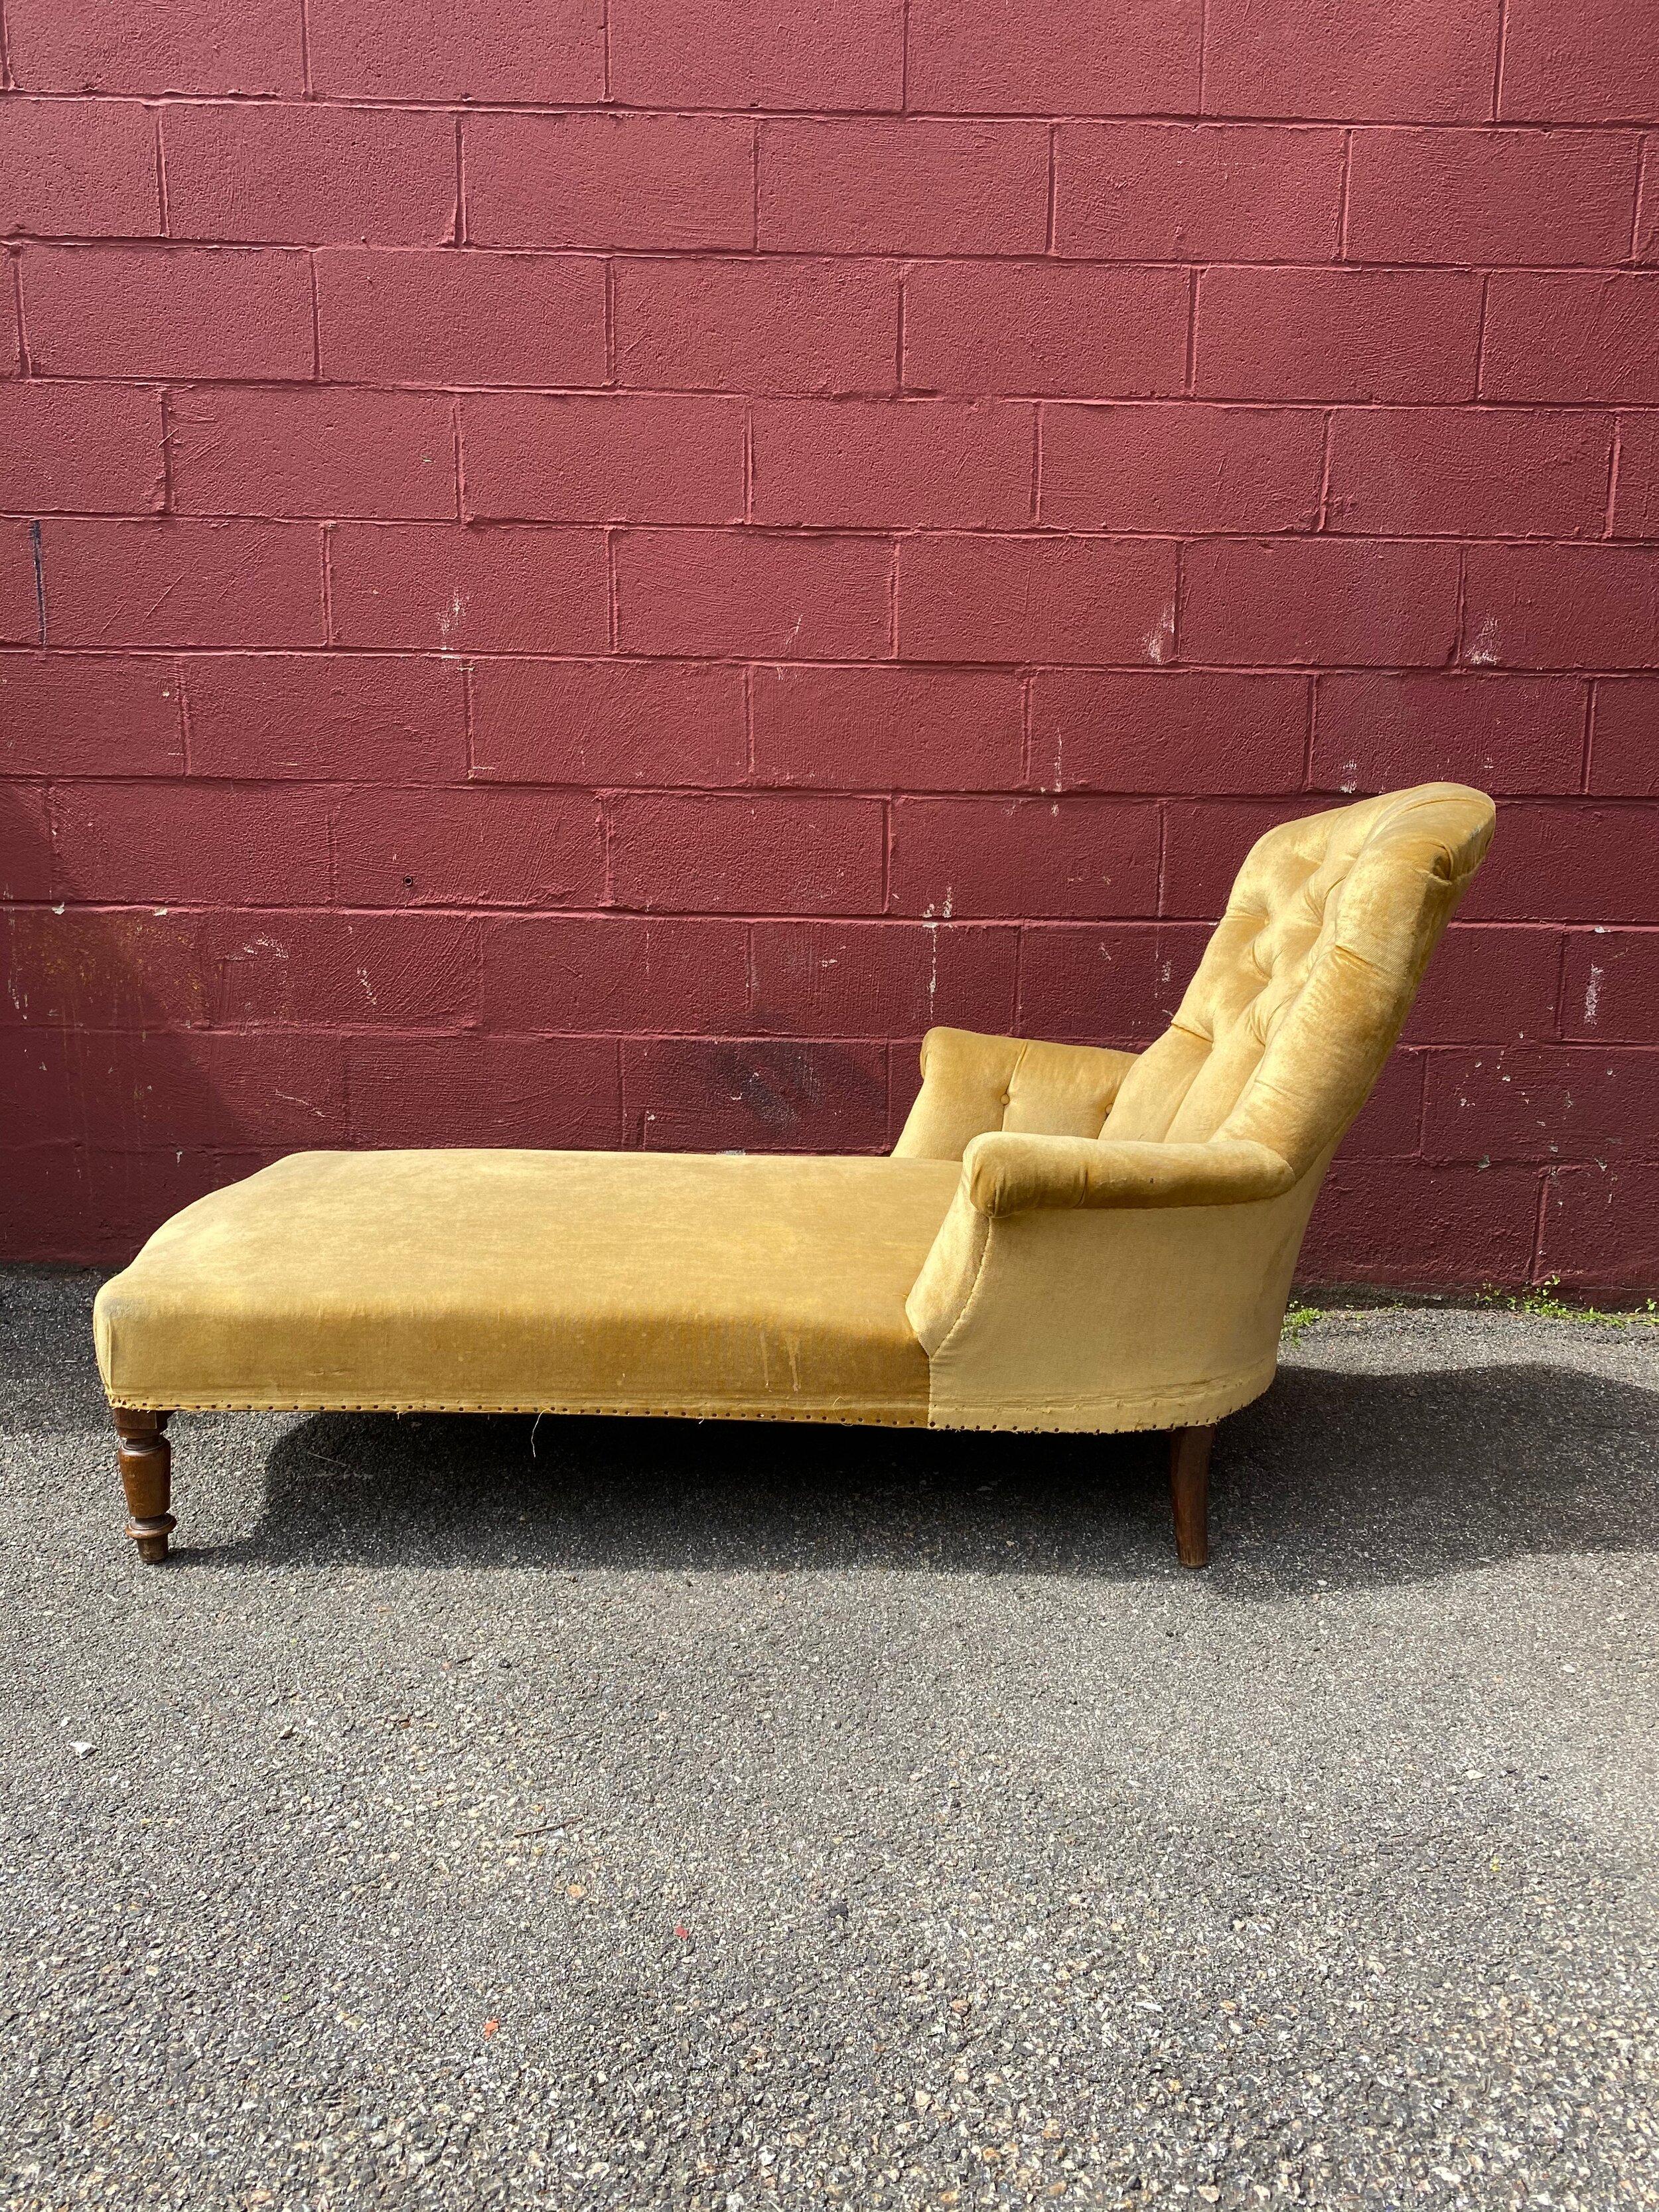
(1063, 1238)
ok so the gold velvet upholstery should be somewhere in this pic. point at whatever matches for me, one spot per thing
(1063, 1238)
(568, 1282)
(1159, 1252)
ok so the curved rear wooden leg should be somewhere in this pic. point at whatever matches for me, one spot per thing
(1189, 1492)
(145, 1459)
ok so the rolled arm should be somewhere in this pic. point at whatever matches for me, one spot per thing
(1081, 1283)
(1007, 1172)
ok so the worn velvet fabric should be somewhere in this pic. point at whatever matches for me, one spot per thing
(1064, 1238)
(575, 1282)
(1164, 1249)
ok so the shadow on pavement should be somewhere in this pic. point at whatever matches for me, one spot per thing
(1335, 1479)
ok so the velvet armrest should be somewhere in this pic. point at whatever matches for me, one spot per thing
(1083, 1283)
(1013, 1172)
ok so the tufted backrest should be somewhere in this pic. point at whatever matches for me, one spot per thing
(1304, 987)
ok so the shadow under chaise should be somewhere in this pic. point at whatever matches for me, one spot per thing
(1063, 1238)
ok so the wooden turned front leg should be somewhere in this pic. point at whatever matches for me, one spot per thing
(145, 1459)
(1189, 1492)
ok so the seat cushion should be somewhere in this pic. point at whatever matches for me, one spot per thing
(503, 1281)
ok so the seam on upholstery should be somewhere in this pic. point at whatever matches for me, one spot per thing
(1337, 951)
(906, 1414)
(1012, 1079)
(1127, 1415)
(967, 1303)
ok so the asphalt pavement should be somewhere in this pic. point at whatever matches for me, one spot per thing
(643, 1814)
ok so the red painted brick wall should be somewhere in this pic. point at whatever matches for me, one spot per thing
(577, 574)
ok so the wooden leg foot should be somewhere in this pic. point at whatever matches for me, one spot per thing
(145, 1459)
(1189, 1492)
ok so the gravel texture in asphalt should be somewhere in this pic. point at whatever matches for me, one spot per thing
(491, 1812)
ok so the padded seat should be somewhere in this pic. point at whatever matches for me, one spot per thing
(537, 1282)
